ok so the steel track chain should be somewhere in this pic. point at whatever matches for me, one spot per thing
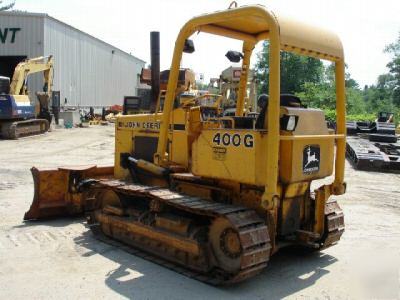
(252, 231)
(14, 130)
(335, 224)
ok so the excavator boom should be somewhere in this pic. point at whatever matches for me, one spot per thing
(28, 67)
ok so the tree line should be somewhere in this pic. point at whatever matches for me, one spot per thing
(314, 82)
(4, 6)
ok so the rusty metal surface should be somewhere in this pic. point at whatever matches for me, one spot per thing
(145, 76)
(53, 190)
(170, 240)
(334, 224)
(172, 223)
(49, 194)
(333, 229)
(251, 230)
(119, 225)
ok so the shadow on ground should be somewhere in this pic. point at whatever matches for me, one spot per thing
(289, 271)
(51, 222)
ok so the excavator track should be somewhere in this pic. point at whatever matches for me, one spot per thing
(244, 223)
(367, 155)
(17, 129)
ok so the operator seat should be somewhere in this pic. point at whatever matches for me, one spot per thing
(285, 100)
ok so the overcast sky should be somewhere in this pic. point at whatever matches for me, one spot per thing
(365, 27)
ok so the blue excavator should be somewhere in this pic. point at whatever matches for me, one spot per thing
(18, 116)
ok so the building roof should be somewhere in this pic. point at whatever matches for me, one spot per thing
(44, 15)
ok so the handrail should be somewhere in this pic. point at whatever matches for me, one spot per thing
(308, 137)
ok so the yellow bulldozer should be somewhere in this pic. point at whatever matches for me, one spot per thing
(209, 196)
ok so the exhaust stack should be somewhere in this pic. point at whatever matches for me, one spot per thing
(155, 68)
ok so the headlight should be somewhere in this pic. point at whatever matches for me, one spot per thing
(289, 122)
(291, 125)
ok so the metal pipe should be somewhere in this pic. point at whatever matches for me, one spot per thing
(312, 137)
(185, 32)
(339, 185)
(272, 119)
(155, 68)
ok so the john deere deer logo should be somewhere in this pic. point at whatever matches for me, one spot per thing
(311, 159)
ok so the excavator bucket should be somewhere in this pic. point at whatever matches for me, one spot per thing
(56, 193)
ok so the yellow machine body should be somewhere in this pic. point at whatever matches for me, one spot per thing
(238, 185)
(27, 67)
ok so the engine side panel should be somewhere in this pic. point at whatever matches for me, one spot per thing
(16, 107)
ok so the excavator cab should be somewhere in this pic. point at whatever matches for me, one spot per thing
(216, 196)
(385, 117)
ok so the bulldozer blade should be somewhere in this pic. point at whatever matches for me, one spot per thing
(56, 193)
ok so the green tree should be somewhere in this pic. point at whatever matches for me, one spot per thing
(314, 83)
(355, 101)
(295, 71)
(319, 95)
(380, 97)
(323, 94)
(4, 7)
(385, 94)
(394, 70)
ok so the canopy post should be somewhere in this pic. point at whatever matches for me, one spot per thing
(159, 156)
(271, 122)
(338, 185)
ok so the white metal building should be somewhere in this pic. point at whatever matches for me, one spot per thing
(87, 71)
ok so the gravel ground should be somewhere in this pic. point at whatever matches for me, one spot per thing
(61, 259)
